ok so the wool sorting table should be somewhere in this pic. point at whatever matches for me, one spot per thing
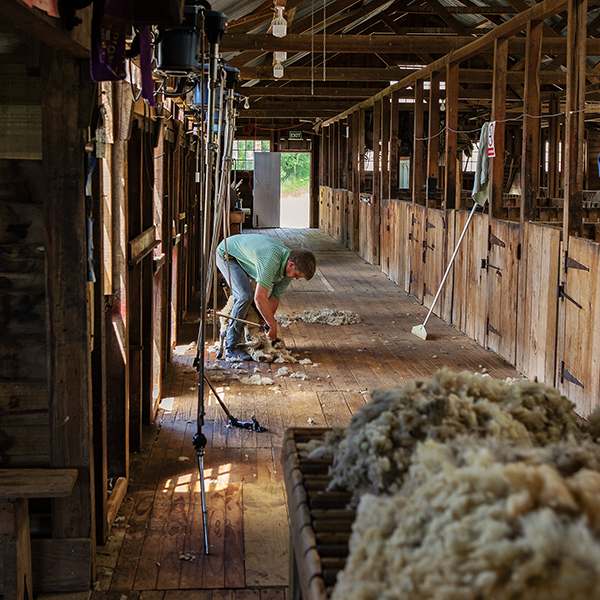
(320, 523)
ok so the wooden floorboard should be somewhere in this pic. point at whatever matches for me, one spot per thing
(156, 548)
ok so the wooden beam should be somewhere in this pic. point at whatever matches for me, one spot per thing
(68, 96)
(530, 163)
(498, 115)
(393, 158)
(419, 171)
(346, 74)
(268, 91)
(433, 151)
(378, 44)
(540, 11)
(50, 30)
(452, 160)
(574, 122)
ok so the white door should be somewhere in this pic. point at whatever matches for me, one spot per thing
(267, 189)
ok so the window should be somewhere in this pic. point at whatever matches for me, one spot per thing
(470, 162)
(243, 153)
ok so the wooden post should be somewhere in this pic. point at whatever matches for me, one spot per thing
(419, 165)
(68, 98)
(134, 290)
(530, 162)
(374, 252)
(385, 147)
(393, 158)
(433, 141)
(361, 151)
(553, 146)
(451, 158)
(574, 124)
(499, 116)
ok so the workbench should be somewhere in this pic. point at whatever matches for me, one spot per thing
(320, 523)
(16, 487)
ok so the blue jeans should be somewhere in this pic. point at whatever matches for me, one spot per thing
(243, 294)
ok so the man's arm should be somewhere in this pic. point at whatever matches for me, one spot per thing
(267, 307)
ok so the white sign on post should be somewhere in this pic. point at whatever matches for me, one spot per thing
(491, 149)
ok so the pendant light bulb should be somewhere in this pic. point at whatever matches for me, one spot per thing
(280, 56)
(277, 70)
(279, 24)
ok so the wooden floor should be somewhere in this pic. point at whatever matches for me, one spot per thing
(156, 548)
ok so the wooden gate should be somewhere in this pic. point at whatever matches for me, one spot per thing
(502, 268)
(416, 236)
(469, 309)
(538, 303)
(578, 360)
(434, 257)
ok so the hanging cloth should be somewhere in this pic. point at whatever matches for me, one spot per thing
(481, 186)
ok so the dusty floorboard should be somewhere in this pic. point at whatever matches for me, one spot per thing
(156, 548)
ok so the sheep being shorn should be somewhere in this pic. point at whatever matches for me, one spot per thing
(468, 526)
(257, 345)
(375, 452)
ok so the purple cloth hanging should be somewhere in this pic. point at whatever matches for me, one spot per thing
(110, 25)
(146, 64)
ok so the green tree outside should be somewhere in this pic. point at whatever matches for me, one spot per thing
(295, 171)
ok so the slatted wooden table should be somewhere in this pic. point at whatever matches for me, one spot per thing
(320, 523)
(16, 487)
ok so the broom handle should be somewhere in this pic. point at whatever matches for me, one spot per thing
(460, 239)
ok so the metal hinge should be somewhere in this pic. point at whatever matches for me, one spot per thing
(571, 263)
(565, 375)
(412, 237)
(492, 329)
(426, 245)
(496, 241)
(563, 296)
(429, 225)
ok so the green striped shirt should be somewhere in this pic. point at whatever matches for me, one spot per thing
(262, 257)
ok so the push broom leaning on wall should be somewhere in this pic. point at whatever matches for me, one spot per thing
(481, 189)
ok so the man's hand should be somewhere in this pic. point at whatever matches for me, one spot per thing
(267, 307)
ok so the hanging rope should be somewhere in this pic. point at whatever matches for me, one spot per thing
(324, 34)
(312, 48)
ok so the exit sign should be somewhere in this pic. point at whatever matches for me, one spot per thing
(295, 135)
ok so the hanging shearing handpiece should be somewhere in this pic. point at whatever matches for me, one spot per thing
(214, 25)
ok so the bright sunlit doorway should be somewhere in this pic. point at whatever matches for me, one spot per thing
(295, 186)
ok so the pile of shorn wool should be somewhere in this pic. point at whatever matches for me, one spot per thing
(374, 452)
(469, 488)
(469, 526)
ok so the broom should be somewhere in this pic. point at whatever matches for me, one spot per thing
(419, 330)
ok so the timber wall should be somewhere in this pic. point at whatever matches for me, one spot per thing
(508, 304)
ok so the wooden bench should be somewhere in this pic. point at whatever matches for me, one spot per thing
(16, 487)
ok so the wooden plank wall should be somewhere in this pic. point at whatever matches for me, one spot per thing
(537, 302)
(24, 399)
(578, 360)
(502, 280)
(24, 428)
(507, 304)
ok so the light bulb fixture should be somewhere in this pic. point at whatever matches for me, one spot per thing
(277, 70)
(246, 103)
(279, 25)
(280, 56)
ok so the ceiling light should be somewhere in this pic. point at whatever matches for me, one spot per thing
(280, 56)
(277, 69)
(279, 24)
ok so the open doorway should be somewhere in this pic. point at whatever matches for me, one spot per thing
(295, 190)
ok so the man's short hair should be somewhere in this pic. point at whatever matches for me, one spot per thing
(305, 261)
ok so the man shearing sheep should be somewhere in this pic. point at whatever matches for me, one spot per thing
(273, 266)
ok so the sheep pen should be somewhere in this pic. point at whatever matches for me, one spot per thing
(468, 488)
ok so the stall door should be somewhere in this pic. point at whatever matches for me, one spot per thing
(267, 189)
